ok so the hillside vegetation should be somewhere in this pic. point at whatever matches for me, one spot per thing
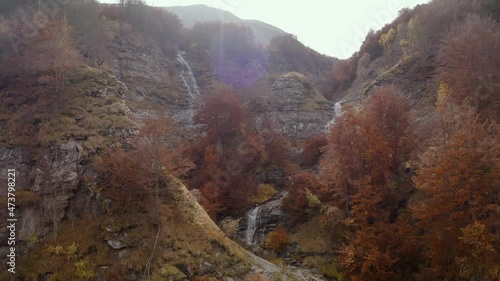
(402, 184)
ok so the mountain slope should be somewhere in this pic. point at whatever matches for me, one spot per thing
(190, 15)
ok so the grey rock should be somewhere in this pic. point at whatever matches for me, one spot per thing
(298, 109)
(259, 221)
(115, 244)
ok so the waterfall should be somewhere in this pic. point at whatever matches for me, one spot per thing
(262, 219)
(191, 90)
(338, 109)
(187, 78)
(338, 112)
(252, 224)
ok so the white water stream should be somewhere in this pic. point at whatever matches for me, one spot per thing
(252, 224)
(187, 77)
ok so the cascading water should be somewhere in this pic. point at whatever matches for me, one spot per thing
(338, 112)
(190, 88)
(187, 77)
(260, 220)
(338, 109)
(252, 224)
(257, 223)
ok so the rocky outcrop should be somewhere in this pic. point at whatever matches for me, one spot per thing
(259, 221)
(44, 187)
(149, 74)
(54, 177)
(298, 109)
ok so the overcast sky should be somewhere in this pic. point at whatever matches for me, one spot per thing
(332, 27)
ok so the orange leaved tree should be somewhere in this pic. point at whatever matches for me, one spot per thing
(459, 181)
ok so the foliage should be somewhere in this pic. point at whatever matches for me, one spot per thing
(72, 251)
(27, 198)
(340, 77)
(460, 159)
(277, 239)
(172, 273)
(478, 261)
(431, 22)
(54, 54)
(312, 151)
(363, 168)
(221, 115)
(156, 23)
(229, 226)
(263, 193)
(387, 39)
(312, 200)
(302, 200)
(363, 69)
(33, 240)
(132, 174)
(468, 63)
(230, 154)
(84, 271)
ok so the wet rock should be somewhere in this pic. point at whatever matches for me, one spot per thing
(259, 221)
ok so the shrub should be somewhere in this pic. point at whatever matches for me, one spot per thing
(313, 201)
(263, 193)
(277, 239)
(256, 277)
(71, 251)
(84, 271)
(229, 226)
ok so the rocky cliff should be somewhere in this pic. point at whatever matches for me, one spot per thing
(297, 108)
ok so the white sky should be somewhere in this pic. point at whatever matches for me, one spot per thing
(332, 27)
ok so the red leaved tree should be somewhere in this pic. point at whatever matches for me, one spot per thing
(469, 63)
(130, 175)
(459, 180)
(364, 169)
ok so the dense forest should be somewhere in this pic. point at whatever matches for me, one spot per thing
(402, 184)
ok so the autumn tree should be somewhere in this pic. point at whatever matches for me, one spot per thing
(468, 63)
(375, 143)
(231, 155)
(277, 239)
(430, 22)
(86, 19)
(339, 77)
(221, 116)
(459, 181)
(313, 150)
(226, 155)
(364, 168)
(133, 174)
(303, 197)
(53, 55)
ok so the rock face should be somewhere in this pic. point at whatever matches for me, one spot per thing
(44, 188)
(295, 107)
(259, 221)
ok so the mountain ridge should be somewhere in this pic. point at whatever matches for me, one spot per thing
(190, 15)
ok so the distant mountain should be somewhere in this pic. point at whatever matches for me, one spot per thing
(190, 15)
